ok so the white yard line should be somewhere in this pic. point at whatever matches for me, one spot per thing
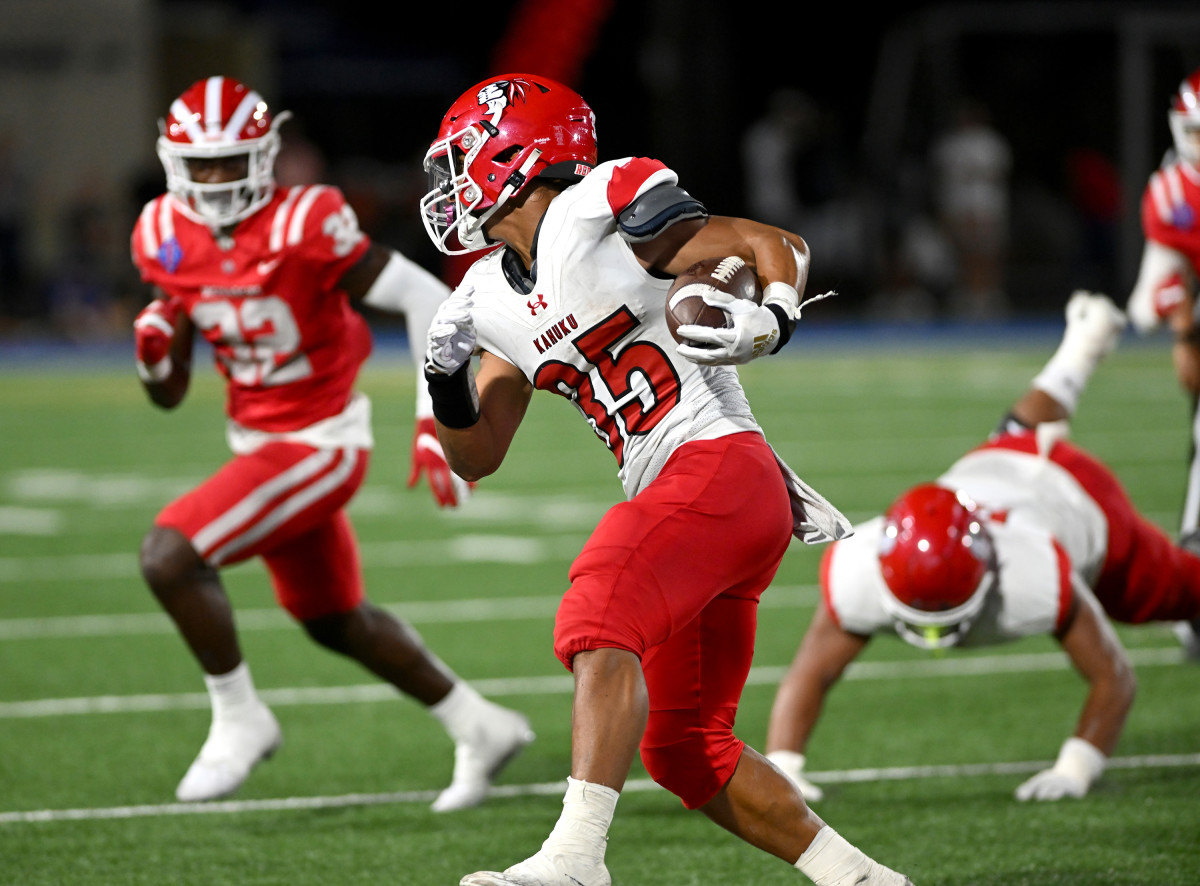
(466, 548)
(558, 684)
(417, 612)
(554, 788)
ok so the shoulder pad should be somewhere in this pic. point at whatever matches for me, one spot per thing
(656, 210)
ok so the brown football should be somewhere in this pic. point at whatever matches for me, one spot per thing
(685, 298)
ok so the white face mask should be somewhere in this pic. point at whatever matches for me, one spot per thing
(222, 204)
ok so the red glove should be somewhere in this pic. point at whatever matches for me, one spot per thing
(153, 332)
(448, 488)
(1169, 295)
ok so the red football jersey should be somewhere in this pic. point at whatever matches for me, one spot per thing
(284, 335)
(1171, 210)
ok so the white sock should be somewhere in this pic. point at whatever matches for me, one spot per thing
(831, 861)
(1067, 373)
(460, 710)
(231, 692)
(1064, 379)
(582, 828)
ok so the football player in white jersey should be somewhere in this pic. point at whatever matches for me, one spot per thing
(270, 277)
(658, 623)
(1026, 534)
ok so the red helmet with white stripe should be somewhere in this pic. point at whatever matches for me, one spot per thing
(1184, 118)
(219, 118)
(496, 138)
(936, 558)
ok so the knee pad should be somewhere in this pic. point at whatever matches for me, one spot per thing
(690, 761)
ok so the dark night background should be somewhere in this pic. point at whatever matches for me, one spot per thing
(683, 80)
(1078, 89)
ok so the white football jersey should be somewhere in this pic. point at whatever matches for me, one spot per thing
(1037, 509)
(1032, 594)
(593, 329)
(1030, 489)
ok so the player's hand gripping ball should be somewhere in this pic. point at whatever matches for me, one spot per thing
(686, 304)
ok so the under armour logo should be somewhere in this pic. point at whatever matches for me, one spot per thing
(535, 306)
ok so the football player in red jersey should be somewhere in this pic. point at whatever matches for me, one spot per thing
(1024, 535)
(1165, 290)
(269, 276)
(659, 621)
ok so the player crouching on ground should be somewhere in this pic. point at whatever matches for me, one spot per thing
(1026, 534)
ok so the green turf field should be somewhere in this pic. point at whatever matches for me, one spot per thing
(102, 709)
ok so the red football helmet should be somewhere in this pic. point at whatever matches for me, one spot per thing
(496, 138)
(1184, 118)
(215, 118)
(937, 563)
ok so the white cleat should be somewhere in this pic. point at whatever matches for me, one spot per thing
(1094, 320)
(232, 749)
(1189, 638)
(543, 869)
(479, 759)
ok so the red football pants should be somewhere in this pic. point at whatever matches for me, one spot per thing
(1146, 576)
(674, 576)
(284, 502)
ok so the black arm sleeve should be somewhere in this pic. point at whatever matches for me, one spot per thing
(455, 401)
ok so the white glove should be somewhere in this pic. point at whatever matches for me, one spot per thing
(451, 339)
(754, 332)
(1079, 764)
(791, 764)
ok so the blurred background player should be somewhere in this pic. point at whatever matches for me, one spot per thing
(268, 275)
(1026, 534)
(1165, 290)
(658, 623)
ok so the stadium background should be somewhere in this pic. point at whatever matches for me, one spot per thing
(83, 84)
(101, 707)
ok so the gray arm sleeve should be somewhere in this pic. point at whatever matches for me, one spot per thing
(656, 210)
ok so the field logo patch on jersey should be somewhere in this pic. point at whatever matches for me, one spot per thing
(170, 254)
(535, 306)
(1183, 216)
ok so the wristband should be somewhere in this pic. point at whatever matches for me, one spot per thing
(455, 400)
(786, 325)
(784, 302)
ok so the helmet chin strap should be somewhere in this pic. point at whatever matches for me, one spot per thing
(512, 184)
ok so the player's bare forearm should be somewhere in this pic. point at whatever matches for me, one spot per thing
(473, 453)
(1097, 654)
(1185, 353)
(823, 656)
(1037, 406)
(775, 254)
(476, 451)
